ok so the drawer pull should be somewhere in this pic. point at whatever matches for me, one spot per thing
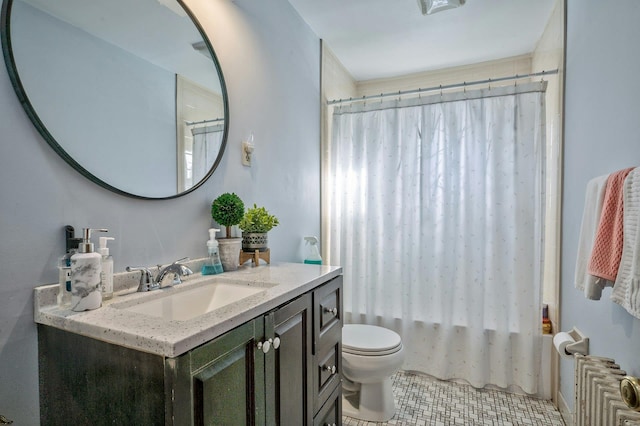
(330, 368)
(329, 424)
(333, 311)
(265, 346)
(276, 342)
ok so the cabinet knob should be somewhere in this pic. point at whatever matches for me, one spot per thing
(276, 342)
(330, 368)
(329, 424)
(333, 311)
(265, 346)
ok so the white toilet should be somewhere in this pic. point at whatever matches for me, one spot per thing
(370, 356)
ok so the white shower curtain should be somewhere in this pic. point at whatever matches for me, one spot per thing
(435, 211)
(206, 147)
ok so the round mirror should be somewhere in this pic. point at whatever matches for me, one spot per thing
(130, 93)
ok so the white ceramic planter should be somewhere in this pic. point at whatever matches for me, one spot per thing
(230, 253)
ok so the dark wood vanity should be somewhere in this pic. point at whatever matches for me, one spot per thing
(280, 368)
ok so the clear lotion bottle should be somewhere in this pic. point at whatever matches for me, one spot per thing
(106, 276)
(213, 265)
(86, 266)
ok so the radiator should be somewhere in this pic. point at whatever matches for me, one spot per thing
(598, 400)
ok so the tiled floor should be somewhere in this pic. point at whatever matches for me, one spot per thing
(424, 401)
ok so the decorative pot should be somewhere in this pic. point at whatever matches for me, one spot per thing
(230, 252)
(252, 241)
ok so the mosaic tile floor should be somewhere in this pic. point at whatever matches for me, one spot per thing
(425, 401)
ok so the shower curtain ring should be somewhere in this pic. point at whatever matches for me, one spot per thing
(441, 92)
(489, 84)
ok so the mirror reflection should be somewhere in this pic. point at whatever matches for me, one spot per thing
(129, 93)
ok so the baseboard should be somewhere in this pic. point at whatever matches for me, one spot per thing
(565, 412)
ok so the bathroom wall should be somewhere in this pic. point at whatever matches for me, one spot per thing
(270, 60)
(602, 128)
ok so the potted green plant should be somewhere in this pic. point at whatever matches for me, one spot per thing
(227, 210)
(255, 224)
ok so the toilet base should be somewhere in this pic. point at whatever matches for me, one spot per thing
(374, 402)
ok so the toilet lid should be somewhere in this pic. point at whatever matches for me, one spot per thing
(369, 340)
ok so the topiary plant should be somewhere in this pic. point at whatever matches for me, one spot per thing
(257, 219)
(227, 210)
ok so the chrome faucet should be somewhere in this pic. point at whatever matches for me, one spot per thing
(148, 283)
(176, 268)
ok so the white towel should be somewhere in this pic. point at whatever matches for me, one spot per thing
(626, 291)
(590, 218)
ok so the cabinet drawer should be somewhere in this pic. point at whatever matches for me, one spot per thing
(327, 314)
(331, 413)
(327, 372)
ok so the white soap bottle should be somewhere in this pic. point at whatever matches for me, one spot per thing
(106, 277)
(85, 275)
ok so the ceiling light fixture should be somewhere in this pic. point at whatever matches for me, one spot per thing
(429, 7)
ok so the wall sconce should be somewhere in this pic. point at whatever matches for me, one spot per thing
(429, 7)
(247, 150)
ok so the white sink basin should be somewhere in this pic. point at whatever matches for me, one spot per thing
(187, 304)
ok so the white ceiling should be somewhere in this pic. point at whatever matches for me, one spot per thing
(387, 38)
(158, 31)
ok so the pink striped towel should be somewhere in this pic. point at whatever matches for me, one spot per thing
(607, 245)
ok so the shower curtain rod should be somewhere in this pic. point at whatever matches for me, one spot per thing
(443, 87)
(193, 123)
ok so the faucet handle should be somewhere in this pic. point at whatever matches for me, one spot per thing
(146, 278)
(175, 262)
(181, 271)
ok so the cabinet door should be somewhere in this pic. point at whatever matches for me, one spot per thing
(290, 376)
(226, 380)
(331, 413)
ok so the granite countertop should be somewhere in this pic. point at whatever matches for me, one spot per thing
(114, 324)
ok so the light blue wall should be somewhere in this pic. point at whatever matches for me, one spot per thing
(602, 135)
(270, 60)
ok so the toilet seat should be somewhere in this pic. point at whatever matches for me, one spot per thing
(369, 340)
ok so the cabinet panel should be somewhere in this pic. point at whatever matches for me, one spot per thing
(327, 312)
(327, 370)
(292, 362)
(221, 394)
(86, 381)
(225, 380)
(331, 413)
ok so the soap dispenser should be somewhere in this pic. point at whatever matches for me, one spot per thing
(106, 277)
(213, 265)
(85, 275)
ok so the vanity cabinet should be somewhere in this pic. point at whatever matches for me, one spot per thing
(281, 368)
